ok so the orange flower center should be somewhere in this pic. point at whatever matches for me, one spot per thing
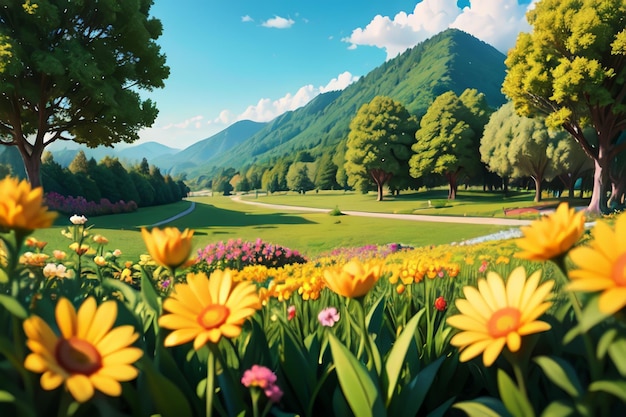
(77, 356)
(213, 316)
(504, 321)
(619, 271)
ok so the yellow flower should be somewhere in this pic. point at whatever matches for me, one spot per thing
(22, 208)
(354, 279)
(552, 235)
(494, 315)
(168, 247)
(205, 309)
(602, 266)
(88, 355)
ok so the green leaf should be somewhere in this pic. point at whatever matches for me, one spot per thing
(149, 294)
(442, 410)
(605, 342)
(613, 387)
(167, 399)
(514, 400)
(130, 294)
(25, 407)
(561, 373)
(374, 317)
(298, 370)
(590, 317)
(483, 407)
(617, 352)
(356, 382)
(559, 409)
(412, 396)
(396, 359)
(13, 306)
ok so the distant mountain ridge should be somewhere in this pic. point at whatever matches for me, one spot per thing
(452, 60)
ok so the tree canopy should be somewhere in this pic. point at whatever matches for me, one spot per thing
(445, 142)
(517, 146)
(76, 73)
(572, 69)
(379, 143)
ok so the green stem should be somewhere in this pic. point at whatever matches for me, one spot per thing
(255, 393)
(65, 403)
(210, 382)
(365, 338)
(519, 376)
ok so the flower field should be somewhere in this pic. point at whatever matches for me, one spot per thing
(531, 326)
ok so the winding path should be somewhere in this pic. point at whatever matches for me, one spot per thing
(414, 217)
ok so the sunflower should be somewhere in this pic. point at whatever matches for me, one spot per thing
(494, 315)
(552, 235)
(602, 266)
(88, 355)
(22, 207)
(354, 279)
(168, 247)
(205, 309)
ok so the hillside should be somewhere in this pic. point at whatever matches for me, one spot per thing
(207, 149)
(452, 60)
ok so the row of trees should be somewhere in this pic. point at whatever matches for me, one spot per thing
(142, 183)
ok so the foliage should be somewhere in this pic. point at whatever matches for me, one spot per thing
(76, 74)
(378, 145)
(446, 144)
(516, 146)
(571, 69)
(72, 205)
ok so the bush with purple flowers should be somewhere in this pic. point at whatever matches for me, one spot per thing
(237, 254)
(71, 205)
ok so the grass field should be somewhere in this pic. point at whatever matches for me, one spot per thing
(219, 219)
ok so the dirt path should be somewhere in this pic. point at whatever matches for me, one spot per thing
(414, 217)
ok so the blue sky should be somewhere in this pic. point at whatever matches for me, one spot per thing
(255, 59)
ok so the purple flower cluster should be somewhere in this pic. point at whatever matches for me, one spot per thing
(237, 254)
(365, 252)
(70, 205)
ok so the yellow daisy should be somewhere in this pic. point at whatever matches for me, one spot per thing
(354, 279)
(552, 235)
(88, 355)
(494, 314)
(205, 309)
(602, 265)
(168, 247)
(22, 208)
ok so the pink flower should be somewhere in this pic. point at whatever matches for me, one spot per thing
(291, 312)
(264, 378)
(483, 266)
(328, 316)
(440, 303)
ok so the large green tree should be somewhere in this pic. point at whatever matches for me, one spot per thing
(517, 146)
(445, 144)
(76, 73)
(379, 142)
(572, 69)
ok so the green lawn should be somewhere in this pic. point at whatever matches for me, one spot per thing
(219, 219)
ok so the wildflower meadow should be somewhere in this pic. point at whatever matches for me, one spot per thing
(531, 326)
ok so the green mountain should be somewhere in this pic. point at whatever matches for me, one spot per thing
(452, 60)
(208, 149)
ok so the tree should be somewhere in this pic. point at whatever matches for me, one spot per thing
(325, 175)
(79, 163)
(572, 69)
(445, 143)
(75, 74)
(516, 146)
(379, 142)
(298, 178)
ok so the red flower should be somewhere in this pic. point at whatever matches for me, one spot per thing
(440, 303)
(291, 312)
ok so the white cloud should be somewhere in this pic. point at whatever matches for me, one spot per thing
(247, 18)
(278, 23)
(342, 81)
(496, 22)
(195, 121)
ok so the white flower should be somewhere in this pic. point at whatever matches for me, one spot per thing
(76, 219)
(60, 271)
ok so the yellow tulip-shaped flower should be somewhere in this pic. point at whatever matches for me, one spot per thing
(22, 208)
(88, 355)
(602, 265)
(205, 309)
(168, 247)
(494, 314)
(552, 235)
(354, 279)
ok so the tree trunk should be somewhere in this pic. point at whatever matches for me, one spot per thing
(537, 180)
(380, 177)
(32, 165)
(452, 181)
(598, 203)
